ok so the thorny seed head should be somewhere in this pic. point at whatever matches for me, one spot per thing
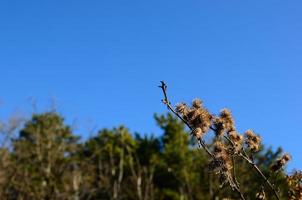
(252, 141)
(197, 103)
(226, 116)
(237, 139)
(286, 157)
(198, 133)
(280, 162)
(219, 126)
(223, 123)
(200, 121)
(221, 162)
(199, 118)
(295, 183)
(182, 108)
(218, 147)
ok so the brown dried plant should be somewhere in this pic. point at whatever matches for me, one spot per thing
(228, 145)
(295, 184)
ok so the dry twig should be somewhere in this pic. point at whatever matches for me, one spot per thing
(220, 128)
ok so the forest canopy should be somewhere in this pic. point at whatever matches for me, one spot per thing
(41, 158)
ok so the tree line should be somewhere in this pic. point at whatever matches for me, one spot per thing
(43, 159)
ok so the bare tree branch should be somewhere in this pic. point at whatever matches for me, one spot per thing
(201, 142)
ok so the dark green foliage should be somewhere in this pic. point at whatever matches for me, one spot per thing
(41, 159)
(46, 161)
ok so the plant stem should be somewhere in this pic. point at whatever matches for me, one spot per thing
(261, 174)
(201, 142)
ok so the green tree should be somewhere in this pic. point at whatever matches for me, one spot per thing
(176, 162)
(42, 164)
(107, 156)
(46, 161)
(143, 162)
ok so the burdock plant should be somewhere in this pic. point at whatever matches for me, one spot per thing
(228, 145)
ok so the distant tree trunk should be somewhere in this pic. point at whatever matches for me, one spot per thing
(76, 181)
(118, 182)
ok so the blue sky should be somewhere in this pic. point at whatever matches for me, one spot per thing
(102, 61)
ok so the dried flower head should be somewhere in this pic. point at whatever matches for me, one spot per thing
(237, 139)
(219, 126)
(286, 157)
(199, 118)
(221, 162)
(252, 141)
(226, 116)
(182, 108)
(198, 133)
(223, 123)
(218, 147)
(295, 184)
(197, 103)
(280, 163)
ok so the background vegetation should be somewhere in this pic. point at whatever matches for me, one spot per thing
(41, 158)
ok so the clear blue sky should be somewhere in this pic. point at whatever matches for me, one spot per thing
(102, 61)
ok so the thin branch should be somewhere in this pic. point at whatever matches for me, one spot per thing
(239, 192)
(251, 162)
(166, 101)
(261, 174)
(234, 171)
(201, 142)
